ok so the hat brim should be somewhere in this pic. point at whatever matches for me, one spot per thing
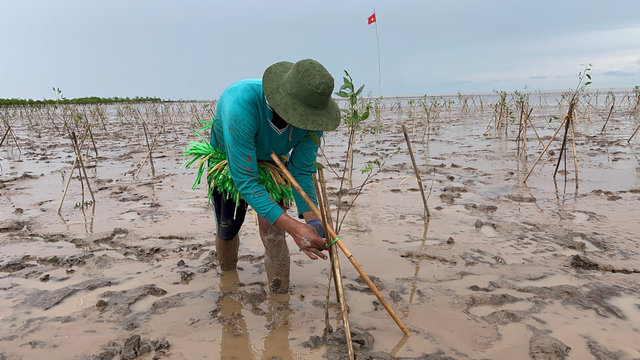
(289, 109)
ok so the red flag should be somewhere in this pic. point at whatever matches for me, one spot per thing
(371, 19)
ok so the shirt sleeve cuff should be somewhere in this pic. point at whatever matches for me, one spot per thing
(272, 215)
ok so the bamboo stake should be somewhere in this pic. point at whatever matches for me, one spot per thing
(84, 171)
(534, 130)
(545, 149)
(342, 246)
(66, 187)
(4, 136)
(634, 134)
(325, 197)
(146, 138)
(335, 266)
(415, 168)
(89, 133)
(327, 221)
(575, 152)
(13, 135)
(605, 123)
(562, 148)
(153, 144)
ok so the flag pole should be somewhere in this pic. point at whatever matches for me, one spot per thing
(378, 42)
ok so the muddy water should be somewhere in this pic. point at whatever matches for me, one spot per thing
(498, 266)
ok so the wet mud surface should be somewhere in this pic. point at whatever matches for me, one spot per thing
(501, 270)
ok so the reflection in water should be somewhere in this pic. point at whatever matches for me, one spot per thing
(235, 337)
(88, 225)
(236, 342)
(399, 346)
(276, 343)
(414, 285)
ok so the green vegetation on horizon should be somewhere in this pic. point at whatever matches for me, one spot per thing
(82, 100)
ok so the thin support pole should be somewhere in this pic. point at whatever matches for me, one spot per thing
(66, 187)
(605, 123)
(146, 138)
(415, 168)
(634, 134)
(545, 149)
(4, 136)
(335, 266)
(344, 249)
(563, 148)
(153, 144)
(79, 154)
(323, 204)
(379, 68)
(575, 152)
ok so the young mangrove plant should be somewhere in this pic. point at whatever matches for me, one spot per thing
(353, 116)
(568, 122)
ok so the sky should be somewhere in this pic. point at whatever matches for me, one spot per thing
(194, 49)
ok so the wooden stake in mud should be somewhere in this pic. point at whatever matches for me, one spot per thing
(78, 160)
(415, 168)
(146, 138)
(13, 135)
(4, 136)
(605, 123)
(634, 134)
(327, 221)
(79, 154)
(153, 144)
(335, 267)
(342, 246)
(567, 122)
(66, 187)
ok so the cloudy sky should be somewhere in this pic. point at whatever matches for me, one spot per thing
(193, 49)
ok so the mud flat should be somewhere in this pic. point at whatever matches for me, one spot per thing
(502, 270)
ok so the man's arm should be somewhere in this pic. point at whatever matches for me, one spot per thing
(301, 168)
(240, 126)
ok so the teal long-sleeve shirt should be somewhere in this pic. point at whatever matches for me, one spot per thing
(244, 131)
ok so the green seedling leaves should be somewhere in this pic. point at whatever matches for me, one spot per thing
(317, 165)
(315, 138)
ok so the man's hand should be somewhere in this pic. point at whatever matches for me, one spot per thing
(318, 226)
(305, 236)
(309, 241)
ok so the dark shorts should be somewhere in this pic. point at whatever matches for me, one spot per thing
(229, 217)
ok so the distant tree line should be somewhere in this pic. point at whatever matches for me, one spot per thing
(82, 100)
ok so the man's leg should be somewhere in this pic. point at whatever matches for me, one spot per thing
(227, 252)
(229, 219)
(276, 256)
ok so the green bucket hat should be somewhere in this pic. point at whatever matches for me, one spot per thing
(301, 94)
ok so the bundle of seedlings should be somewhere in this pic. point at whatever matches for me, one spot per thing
(206, 158)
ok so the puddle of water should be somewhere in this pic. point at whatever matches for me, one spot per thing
(589, 245)
(37, 249)
(554, 280)
(580, 217)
